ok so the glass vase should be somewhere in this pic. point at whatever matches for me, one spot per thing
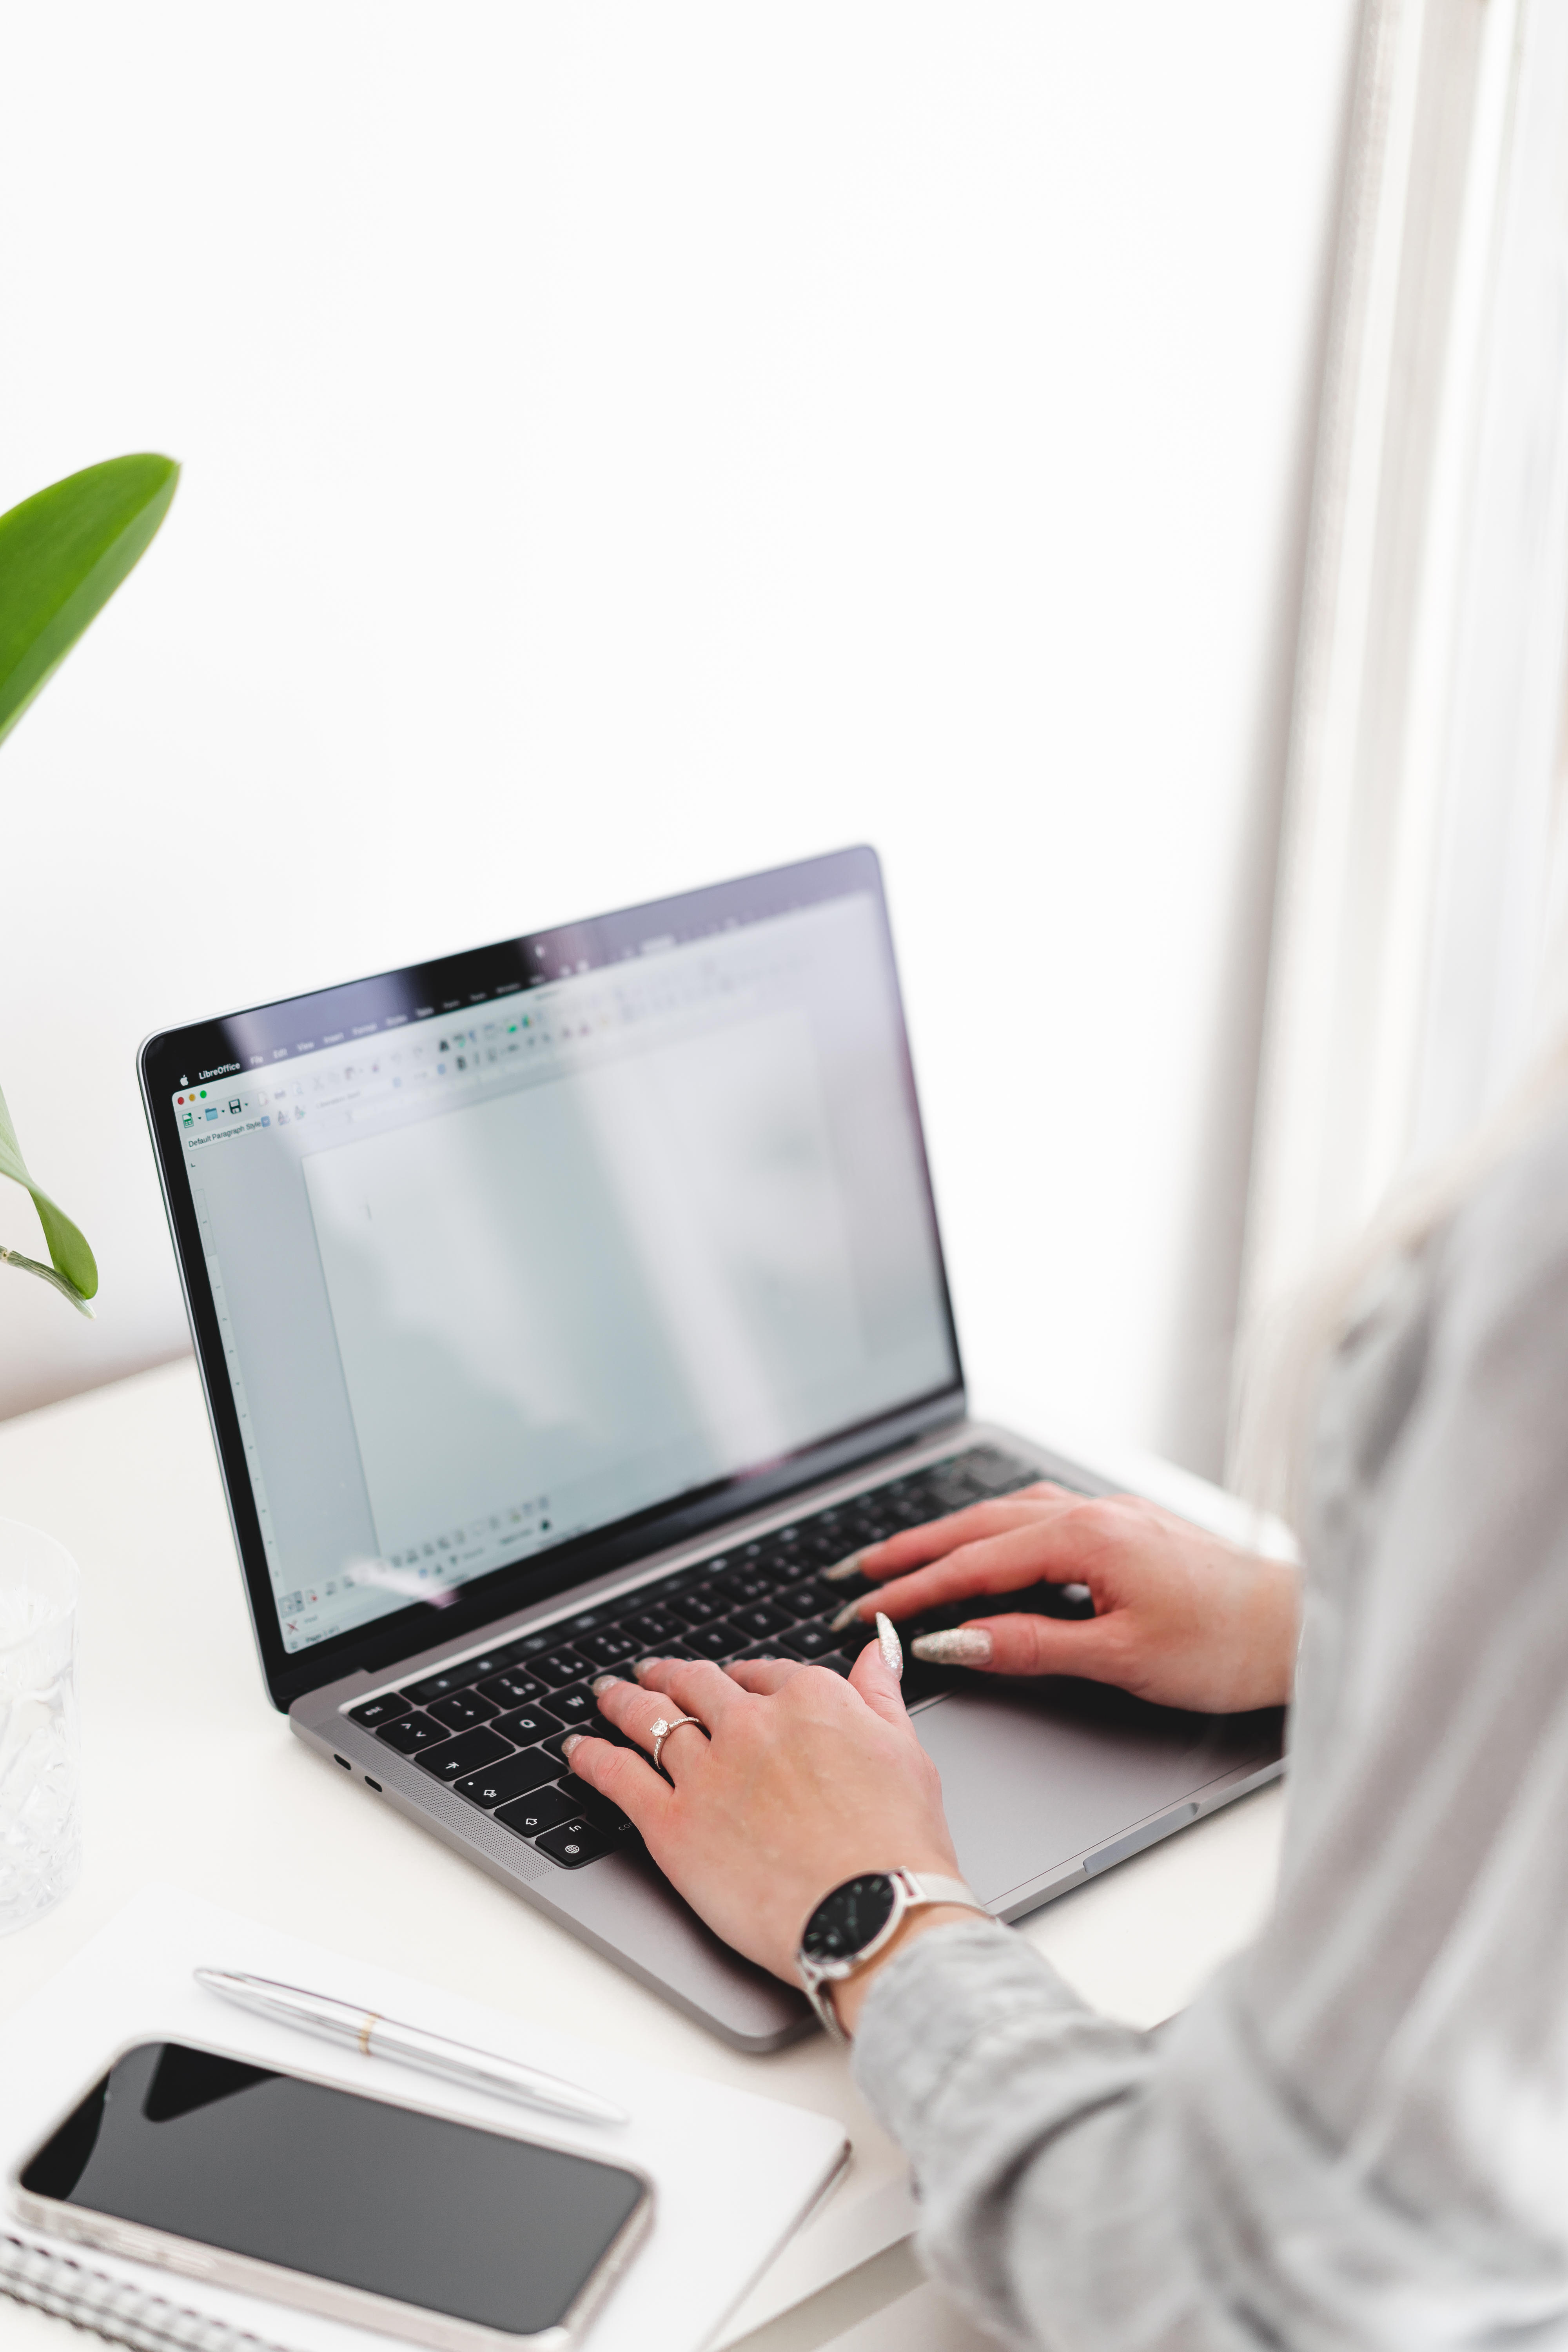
(40, 1836)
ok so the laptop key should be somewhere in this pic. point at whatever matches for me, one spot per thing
(545, 1808)
(663, 1589)
(811, 1599)
(464, 1754)
(601, 1727)
(610, 1648)
(561, 1667)
(576, 1707)
(512, 1688)
(513, 1776)
(762, 1622)
(698, 1607)
(680, 1648)
(582, 1715)
(808, 1642)
(524, 1648)
(602, 1812)
(373, 1712)
(652, 1627)
(492, 1662)
(588, 1622)
(987, 1467)
(412, 1732)
(524, 1724)
(573, 1844)
(462, 1710)
(785, 1568)
(750, 1584)
(450, 1678)
(715, 1641)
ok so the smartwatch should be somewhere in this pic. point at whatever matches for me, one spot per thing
(859, 1920)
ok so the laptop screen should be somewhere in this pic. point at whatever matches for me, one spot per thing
(493, 1275)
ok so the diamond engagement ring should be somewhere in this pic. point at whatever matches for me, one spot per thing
(660, 1730)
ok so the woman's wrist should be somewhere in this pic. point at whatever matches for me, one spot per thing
(848, 1996)
(1275, 1625)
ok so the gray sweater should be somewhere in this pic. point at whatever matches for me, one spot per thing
(1357, 2135)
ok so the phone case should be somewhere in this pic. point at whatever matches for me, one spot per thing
(441, 2331)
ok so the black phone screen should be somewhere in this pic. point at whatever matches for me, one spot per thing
(447, 2216)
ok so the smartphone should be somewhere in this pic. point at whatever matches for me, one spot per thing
(451, 2234)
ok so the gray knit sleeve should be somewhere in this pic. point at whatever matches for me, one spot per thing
(1046, 2200)
(1356, 2139)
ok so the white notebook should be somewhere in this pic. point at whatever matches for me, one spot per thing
(734, 2175)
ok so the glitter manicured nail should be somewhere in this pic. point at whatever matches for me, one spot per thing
(845, 1617)
(842, 1570)
(573, 1740)
(890, 1646)
(644, 1666)
(965, 1645)
(604, 1683)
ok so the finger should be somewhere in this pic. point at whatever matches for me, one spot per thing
(762, 1676)
(697, 1685)
(636, 1712)
(1094, 1648)
(628, 1780)
(1039, 1552)
(874, 1678)
(914, 1546)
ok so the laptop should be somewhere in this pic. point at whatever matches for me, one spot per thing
(582, 1297)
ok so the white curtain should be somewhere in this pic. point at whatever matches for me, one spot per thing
(1421, 850)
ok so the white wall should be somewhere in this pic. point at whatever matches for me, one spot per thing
(626, 446)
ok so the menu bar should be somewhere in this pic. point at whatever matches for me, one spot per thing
(333, 1019)
(356, 1029)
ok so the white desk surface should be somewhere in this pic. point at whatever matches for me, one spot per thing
(189, 1774)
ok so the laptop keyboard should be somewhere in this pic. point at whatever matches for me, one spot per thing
(492, 1728)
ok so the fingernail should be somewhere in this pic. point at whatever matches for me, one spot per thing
(644, 1666)
(842, 1570)
(573, 1740)
(890, 1646)
(965, 1645)
(845, 1617)
(604, 1682)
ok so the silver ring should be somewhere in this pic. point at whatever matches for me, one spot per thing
(660, 1730)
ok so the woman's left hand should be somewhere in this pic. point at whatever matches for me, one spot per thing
(803, 1780)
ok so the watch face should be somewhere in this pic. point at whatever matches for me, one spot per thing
(849, 1918)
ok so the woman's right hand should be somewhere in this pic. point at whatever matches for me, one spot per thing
(1180, 1617)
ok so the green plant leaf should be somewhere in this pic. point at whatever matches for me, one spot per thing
(75, 1267)
(46, 1273)
(63, 554)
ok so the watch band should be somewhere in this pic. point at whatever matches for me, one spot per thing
(929, 1889)
(913, 1891)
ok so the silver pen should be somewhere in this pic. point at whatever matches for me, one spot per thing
(383, 2037)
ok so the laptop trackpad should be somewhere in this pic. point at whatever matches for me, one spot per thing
(1036, 1773)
